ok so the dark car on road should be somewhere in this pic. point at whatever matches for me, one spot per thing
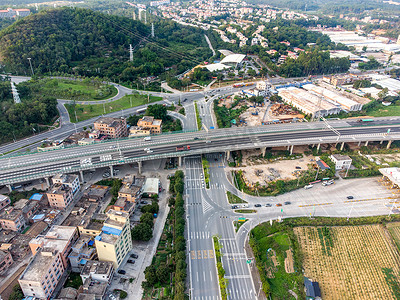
(350, 197)
(234, 206)
(268, 205)
(257, 205)
(130, 261)
(288, 203)
(135, 256)
(123, 272)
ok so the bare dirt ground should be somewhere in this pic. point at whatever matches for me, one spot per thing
(289, 267)
(262, 171)
(388, 158)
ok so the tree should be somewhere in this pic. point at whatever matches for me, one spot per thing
(142, 232)
(16, 293)
(163, 273)
(150, 275)
(147, 218)
(158, 111)
(133, 119)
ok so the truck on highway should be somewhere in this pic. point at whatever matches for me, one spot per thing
(183, 148)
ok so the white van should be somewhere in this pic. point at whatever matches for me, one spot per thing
(147, 138)
(308, 186)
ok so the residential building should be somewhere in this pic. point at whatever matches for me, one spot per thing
(114, 242)
(135, 131)
(12, 219)
(98, 270)
(5, 261)
(60, 238)
(122, 204)
(96, 193)
(59, 196)
(111, 127)
(341, 161)
(28, 207)
(14, 13)
(42, 274)
(81, 252)
(4, 201)
(154, 125)
(129, 191)
(70, 180)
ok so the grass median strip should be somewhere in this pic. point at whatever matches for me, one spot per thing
(223, 282)
(233, 199)
(245, 211)
(206, 168)
(197, 116)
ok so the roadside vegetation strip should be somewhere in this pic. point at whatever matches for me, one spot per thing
(198, 119)
(206, 169)
(239, 223)
(223, 282)
(233, 199)
(85, 112)
(245, 211)
(317, 204)
(167, 272)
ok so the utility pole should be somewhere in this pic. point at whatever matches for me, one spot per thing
(30, 63)
(130, 52)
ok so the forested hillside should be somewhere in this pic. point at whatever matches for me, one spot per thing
(83, 42)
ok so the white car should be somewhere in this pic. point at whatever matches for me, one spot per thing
(146, 149)
(149, 151)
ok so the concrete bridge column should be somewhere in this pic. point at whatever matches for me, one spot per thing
(389, 144)
(228, 154)
(180, 161)
(342, 146)
(319, 145)
(47, 181)
(112, 171)
(140, 167)
(291, 149)
(81, 173)
(263, 149)
(9, 187)
(381, 142)
(359, 143)
(366, 143)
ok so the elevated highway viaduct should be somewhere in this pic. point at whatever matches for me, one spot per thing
(27, 167)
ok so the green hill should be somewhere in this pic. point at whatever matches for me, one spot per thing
(88, 43)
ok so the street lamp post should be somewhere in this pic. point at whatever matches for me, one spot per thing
(30, 63)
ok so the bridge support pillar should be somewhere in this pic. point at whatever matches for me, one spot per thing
(140, 167)
(359, 143)
(366, 143)
(381, 142)
(319, 146)
(9, 187)
(389, 144)
(111, 171)
(81, 173)
(180, 161)
(263, 149)
(342, 146)
(228, 155)
(291, 149)
(47, 181)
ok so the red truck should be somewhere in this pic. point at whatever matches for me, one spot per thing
(183, 148)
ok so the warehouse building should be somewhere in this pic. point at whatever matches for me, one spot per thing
(308, 102)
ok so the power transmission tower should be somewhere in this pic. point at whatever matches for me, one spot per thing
(145, 17)
(130, 52)
(15, 93)
(134, 16)
(152, 30)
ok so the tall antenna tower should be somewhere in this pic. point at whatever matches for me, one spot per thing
(15, 93)
(134, 16)
(145, 17)
(152, 30)
(130, 52)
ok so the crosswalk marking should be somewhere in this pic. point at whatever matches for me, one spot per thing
(200, 235)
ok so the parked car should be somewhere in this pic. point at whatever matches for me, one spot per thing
(257, 205)
(350, 197)
(135, 256)
(196, 138)
(130, 261)
(123, 272)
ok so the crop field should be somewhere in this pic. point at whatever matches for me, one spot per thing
(394, 229)
(352, 262)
